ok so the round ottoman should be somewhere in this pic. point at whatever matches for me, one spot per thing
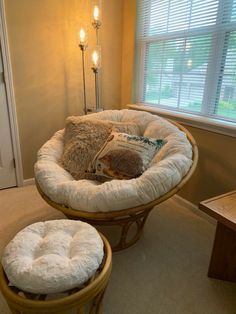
(56, 266)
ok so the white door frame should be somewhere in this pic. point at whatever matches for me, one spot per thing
(10, 95)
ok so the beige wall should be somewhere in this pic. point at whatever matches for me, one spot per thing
(216, 170)
(46, 65)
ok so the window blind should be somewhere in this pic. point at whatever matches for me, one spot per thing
(186, 56)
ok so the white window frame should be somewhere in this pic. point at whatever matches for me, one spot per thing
(203, 120)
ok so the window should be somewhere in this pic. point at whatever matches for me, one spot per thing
(186, 56)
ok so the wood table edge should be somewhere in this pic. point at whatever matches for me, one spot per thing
(217, 197)
(204, 207)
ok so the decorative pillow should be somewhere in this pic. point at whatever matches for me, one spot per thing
(125, 156)
(83, 138)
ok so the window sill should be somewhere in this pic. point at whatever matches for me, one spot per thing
(209, 124)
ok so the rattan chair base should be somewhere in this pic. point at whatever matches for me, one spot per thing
(126, 239)
(125, 221)
(127, 217)
(88, 297)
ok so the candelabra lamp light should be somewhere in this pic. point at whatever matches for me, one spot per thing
(96, 57)
(97, 20)
(83, 46)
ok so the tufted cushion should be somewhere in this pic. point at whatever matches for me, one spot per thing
(83, 138)
(53, 256)
(165, 171)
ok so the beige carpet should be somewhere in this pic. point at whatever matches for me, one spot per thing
(164, 273)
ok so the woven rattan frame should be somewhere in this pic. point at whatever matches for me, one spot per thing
(127, 217)
(91, 294)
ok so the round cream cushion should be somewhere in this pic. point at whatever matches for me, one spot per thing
(53, 256)
(166, 170)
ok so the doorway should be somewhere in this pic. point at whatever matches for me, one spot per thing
(7, 162)
(11, 173)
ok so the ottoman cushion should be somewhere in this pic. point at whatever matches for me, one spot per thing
(53, 256)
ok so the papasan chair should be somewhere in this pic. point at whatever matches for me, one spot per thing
(122, 203)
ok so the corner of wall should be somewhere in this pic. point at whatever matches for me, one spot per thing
(128, 46)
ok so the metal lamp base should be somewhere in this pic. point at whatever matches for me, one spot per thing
(94, 110)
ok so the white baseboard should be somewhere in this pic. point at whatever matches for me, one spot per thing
(187, 204)
(29, 182)
(182, 201)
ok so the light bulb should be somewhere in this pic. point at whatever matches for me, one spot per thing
(96, 13)
(95, 58)
(82, 36)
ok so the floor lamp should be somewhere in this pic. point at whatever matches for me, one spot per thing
(96, 59)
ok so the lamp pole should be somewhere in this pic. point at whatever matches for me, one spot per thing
(83, 48)
(97, 25)
(95, 71)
